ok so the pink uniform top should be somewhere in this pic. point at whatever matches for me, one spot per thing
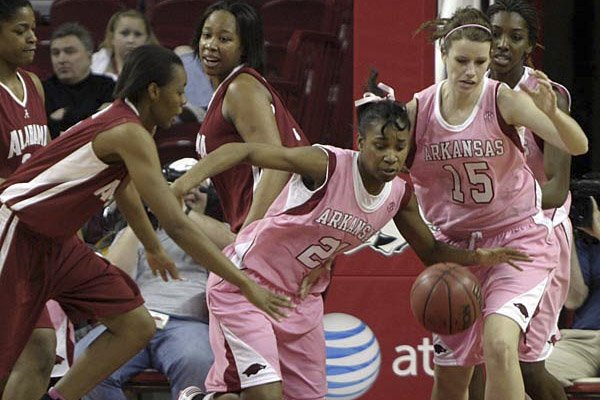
(236, 185)
(302, 229)
(23, 124)
(65, 183)
(470, 177)
(534, 149)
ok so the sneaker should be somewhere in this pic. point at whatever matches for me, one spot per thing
(191, 393)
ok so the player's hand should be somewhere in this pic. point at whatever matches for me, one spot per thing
(500, 255)
(542, 95)
(310, 279)
(594, 230)
(160, 263)
(271, 303)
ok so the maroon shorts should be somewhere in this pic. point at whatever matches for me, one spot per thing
(34, 268)
(44, 321)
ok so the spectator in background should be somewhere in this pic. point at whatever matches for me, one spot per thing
(125, 31)
(577, 354)
(198, 89)
(73, 93)
(180, 348)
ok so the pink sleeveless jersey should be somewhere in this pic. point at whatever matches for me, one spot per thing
(302, 229)
(470, 177)
(236, 185)
(64, 183)
(23, 124)
(534, 149)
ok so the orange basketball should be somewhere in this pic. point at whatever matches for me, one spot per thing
(446, 298)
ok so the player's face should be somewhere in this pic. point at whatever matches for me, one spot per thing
(17, 38)
(130, 33)
(382, 153)
(220, 47)
(171, 98)
(70, 60)
(511, 42)
(466, 64)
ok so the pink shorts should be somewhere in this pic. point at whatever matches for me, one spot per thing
(252, 349)
(538, 340)
(506, 291)
(34, 269)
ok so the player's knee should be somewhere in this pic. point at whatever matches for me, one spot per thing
(138, 321)
(500, 351)
(40, 352)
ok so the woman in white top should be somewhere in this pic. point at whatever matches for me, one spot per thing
(125, 31)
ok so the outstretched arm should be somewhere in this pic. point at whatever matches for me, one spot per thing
(537, 110)
(247, 105)
(134, 145)
(557, 166)
(432, 251)
(130, 204)
(309, 162)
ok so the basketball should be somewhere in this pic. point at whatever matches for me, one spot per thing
(446, 298)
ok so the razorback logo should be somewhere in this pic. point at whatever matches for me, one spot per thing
(522, 309)
(253, 369)
(439, 349)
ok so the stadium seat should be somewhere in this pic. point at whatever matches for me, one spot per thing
(307, 83)
(147, 381)
(584, 388)
(93, 14)
(313, 15)
(177, 142)
(174, 21)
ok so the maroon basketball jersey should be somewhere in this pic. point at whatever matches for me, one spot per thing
(236, 185)
(23, 124)
(65, 183)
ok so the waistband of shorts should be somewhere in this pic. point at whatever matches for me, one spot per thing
(490, 234)
(294, 297)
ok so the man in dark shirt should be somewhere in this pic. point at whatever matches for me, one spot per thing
(73, 93)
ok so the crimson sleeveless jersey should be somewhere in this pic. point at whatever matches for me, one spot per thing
(65, 183)
(23, 124)
(303, 229)
(473, 176)
(236, 185)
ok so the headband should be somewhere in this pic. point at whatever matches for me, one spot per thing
(485, 28)
(369, 97)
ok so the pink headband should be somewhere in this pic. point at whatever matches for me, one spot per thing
(369, 97)
(467, 26)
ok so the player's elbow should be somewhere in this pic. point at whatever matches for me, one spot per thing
(576, 298)
(175, 228)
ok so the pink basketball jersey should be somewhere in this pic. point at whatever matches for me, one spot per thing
(236, 185)
(534, 148)
(473, 176)
(23, 124)
(303, 229)
(64, 183)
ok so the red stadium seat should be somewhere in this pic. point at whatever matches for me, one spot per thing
(308, 80)
(93, 14)
(179, 141)
(147, 381)
(585, 388)
(174, 21)
(310, 15)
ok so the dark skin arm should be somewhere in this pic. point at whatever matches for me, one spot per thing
(557, 166)
(432, 251)
(247, 105)
(132, 144)
(129, 203)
